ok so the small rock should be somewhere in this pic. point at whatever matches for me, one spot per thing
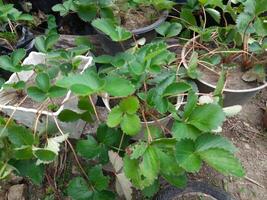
(75, 170)
(17, 192)
(247, 146)
(14, 179)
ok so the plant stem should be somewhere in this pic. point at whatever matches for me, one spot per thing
(73, 151)
(96, 114)
(10, 117)
(17, 75)
(149, 137)
(205, 17)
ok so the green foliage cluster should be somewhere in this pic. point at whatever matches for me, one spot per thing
(9, 18)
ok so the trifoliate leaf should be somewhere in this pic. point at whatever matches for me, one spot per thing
(168, 29)
(186, 156)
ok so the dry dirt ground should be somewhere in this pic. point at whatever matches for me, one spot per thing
(246, 131)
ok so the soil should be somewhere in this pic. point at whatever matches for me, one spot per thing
(138, 18)
(247, 132)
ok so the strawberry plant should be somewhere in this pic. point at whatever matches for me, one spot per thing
(140, 87)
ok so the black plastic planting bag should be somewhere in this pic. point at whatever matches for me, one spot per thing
(25, 41)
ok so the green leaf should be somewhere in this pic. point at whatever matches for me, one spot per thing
(207, 117)
(114, 117)
(40, 44)
(192, 99)
(43, 81)
(6, 64)
(83, 41)
(151, 190)
(178, 181)
(260, 6)
(23, 153)
(61, 9)
(67, 115)
(85, 104)
(168, 166)
(129, 105)
(103, 195)
(214, 14)
(103, 154)
(103, 59)
(118, 86)
(260, 27)
(108, 136)
(161, 104)
(36, 94)
(176, 88)
(130, 124)
(81, 90)
(30, 169)
(223, 161)
(107, 26)
(208, 141)
(181, 130)
(138, 150)
(78, 189)
(87, 148)
(25, 17)
(187, 15)
(150, 167)
(88, 79)
(186, 156)
(87, 12)
(56, 91)
(44, 155)
(97, 179)
(50, 41)
(168, 29)
(20, 136)
(17, 56)
(242, 22)
(192, 66)
(132, 171)
(220, 84)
